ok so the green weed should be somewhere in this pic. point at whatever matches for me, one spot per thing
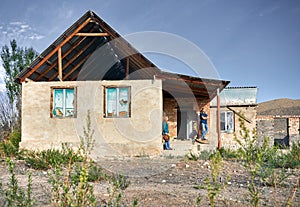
(14, 195)
(213, 184)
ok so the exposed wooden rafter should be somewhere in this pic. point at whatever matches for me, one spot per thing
(56, 49)
(92, 34)
(63, 56)
(60, 77)
(72, 60)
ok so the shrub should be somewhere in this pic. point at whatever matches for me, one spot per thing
(95, 173)
(50, 158)
(192, 156)
(10, 147)
(116, 183)
(228, 153)
(205, 155)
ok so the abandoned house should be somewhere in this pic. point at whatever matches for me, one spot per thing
(90, 67)
(236, 103)
(279, 121)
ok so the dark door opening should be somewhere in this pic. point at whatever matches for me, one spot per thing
(281, 133)
(181, 124)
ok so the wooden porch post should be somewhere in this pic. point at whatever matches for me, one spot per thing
(218, 119)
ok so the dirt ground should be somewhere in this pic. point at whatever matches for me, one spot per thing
(166, 181)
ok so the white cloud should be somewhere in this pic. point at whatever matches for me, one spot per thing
(16, 23)
(36, 37)
(25, 26)
(21, 31)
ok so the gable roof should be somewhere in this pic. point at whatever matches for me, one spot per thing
(72, 57)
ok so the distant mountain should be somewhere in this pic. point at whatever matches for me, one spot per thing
(281, 107)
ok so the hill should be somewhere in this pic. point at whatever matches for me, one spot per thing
(282, 107)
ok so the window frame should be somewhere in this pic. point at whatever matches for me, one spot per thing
(105, 114)
(52, 101)
(227, 130)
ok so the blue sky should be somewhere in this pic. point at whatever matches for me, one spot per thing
(251, 43)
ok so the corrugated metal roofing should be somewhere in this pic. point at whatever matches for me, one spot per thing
(237, 96)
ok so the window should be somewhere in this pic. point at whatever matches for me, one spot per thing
(63, 102)
(117, 102)
(227, 121)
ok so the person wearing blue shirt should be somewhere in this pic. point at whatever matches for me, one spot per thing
(165, 131)
(203, 122)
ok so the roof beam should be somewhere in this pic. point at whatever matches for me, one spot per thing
(73, 59)
(102, 34)
(64, 55)
(56, 49)
(178, 78)
(60, 77)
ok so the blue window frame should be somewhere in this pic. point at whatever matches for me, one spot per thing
(63, 102)
(117, 102)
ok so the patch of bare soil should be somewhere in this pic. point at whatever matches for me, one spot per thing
(166, 182)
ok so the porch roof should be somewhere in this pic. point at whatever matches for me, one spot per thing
(91, 50)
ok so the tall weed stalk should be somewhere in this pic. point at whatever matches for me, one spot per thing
(14, 194)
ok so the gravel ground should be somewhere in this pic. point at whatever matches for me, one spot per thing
(165, 181)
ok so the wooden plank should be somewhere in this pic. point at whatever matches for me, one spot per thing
(63, 56)
(102, 34)
(59, 64)
(167, 77)
(74, 58)
(56, 49)
(127, 68)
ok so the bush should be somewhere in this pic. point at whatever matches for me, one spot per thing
(50, 158)
(95, 173)
(228, 153)
(10, 147)
(206, 155)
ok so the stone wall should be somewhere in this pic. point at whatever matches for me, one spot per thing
(138, 135)
(227, 138)
(273, 127)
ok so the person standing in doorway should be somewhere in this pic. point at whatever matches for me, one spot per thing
(165, 133)
(203, 123)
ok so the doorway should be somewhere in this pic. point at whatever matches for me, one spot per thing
(181, 124)
(281, 133)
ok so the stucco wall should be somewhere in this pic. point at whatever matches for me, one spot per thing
(138, 135)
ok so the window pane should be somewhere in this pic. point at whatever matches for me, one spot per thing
(69, 102)
(111, 100)
(223, 125)
(230, 122)
(123, 102)
(58, 102)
